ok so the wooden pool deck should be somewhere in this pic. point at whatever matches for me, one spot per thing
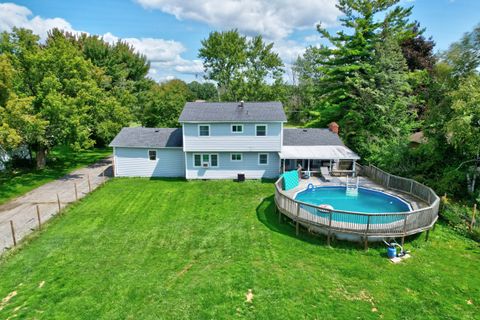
(363, 182)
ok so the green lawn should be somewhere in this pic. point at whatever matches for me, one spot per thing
(60, 162)
(159, 249)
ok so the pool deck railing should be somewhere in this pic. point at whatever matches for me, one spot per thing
(366, 226)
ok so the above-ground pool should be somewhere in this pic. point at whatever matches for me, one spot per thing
(367, 201)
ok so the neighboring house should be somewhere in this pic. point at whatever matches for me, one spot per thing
(221, 140)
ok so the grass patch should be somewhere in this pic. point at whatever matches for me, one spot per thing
(170, 249)
(61, 161)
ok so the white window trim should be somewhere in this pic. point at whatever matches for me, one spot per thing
(266, 129)
(218, 160)
(148, 154)
(204, 125)
(241, 156)
(236, 124)
(193, 158)
(263, 164)
(209, 160)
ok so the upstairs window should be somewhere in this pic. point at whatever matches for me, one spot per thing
(204, 130)
(261, 130)
(237, 128)
(152, 155)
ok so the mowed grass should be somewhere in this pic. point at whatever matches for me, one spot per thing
(61, 161)
(169, 249)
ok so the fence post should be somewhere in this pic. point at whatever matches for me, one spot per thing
(329, 228)
(279, 216)
(404, 229)
(411, 186)
(76, 193)
(298, 214)
(38, 217)
(13, 233)
(58, 202)
(89, 185)
(366, 233)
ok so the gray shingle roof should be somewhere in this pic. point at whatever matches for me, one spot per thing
(140, 137)
(230, 111)
(310, 137)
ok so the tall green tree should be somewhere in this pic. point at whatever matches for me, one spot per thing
(380, 120)
(57, 95)
(203, 91)
(242, 68)
(351, 52)
(164, 103)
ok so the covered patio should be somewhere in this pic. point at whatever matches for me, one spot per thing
(338, 159)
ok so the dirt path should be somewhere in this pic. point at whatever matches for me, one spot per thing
(22, 211)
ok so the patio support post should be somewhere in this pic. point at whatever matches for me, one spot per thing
(308, 162)
(284, 165)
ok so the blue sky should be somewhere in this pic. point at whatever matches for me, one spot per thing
(169, 31)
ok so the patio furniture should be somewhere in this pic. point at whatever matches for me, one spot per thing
(325, 174)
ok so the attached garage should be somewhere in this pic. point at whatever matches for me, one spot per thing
(148, 152)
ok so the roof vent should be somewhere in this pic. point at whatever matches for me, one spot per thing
(304, 130)
(242, 103)
(156, 130)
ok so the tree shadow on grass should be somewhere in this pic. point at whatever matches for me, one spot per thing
(267, 215)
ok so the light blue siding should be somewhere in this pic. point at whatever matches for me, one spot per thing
(228, 169)
(134, 162)
(222, 139)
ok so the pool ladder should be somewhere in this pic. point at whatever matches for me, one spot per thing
(352, 188)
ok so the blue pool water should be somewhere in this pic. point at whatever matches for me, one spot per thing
(367, 201)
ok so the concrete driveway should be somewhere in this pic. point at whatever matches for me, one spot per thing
(22, 211)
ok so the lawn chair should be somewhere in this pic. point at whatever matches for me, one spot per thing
(325, 174)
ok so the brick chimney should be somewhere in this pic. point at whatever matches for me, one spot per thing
(333, 126)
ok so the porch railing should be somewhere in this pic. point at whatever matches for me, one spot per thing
(365, 225)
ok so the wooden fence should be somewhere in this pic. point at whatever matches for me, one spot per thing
(365, 225)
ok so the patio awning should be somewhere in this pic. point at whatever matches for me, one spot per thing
(318, 152)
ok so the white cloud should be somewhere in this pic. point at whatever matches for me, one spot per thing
(164, 55)
(13, 15)
(288, 50)
(273, 19)
(154, 48)
(313, 38)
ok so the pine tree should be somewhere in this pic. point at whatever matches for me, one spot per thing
(351, 53)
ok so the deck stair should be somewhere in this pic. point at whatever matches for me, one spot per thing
(352, 187)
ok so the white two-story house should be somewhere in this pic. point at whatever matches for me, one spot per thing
(222, 140)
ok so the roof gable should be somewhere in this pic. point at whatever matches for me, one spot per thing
(232, 112)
